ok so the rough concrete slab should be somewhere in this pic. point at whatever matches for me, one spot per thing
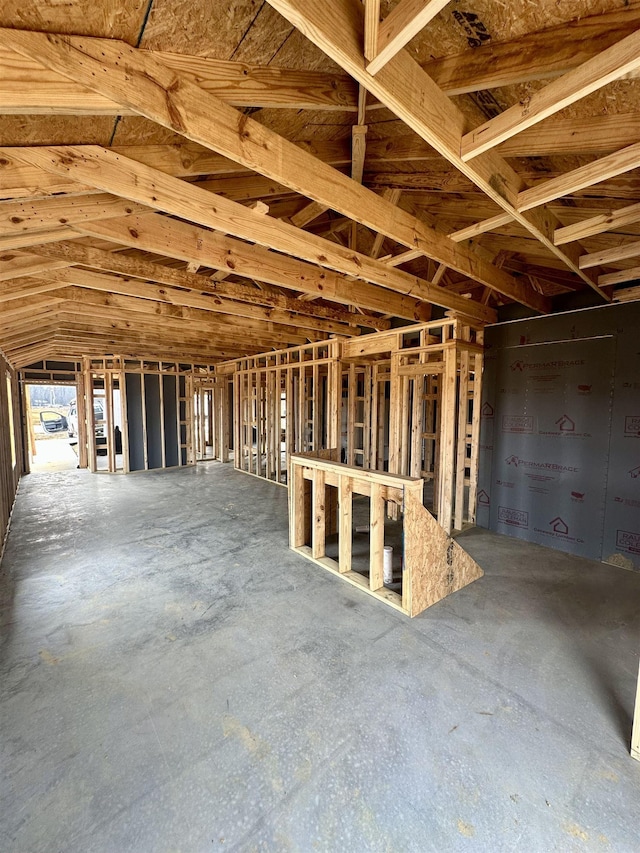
(174, 679)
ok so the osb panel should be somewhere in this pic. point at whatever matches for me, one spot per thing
(135, 130)
(199, 27)
(120, 19)
(455, 28)
(55, 130)
(292, 124)
(306, 124)
(437, 565)
(621, 96)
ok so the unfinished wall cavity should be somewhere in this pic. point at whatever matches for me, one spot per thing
(139, 415)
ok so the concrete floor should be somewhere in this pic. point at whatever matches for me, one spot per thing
(54, 454)
(174, 679)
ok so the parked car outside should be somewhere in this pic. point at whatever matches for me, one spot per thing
(99, 419)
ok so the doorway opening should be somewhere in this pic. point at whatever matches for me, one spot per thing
(50, 427)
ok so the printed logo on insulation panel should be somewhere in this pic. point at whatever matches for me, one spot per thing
(632, 425)
(628, 541)
(517, 424)
(513, 517)
(487, 411)
(534, 465)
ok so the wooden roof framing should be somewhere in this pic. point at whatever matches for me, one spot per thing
(208, 182)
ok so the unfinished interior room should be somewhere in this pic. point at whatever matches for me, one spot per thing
(342, 552)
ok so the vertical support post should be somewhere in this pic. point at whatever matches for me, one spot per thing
(404, 384)
(315, 410)
(417, 428)
(318, 530)
(225, 389)
(351, 414)
(237, 420)
(475, 437)
(301, 445)
(178, 419)
(461, 451)
(296, 506)
(394, 416)
(290, 416)
(366, 443)
(376, 534)
(163, 450)
(447, 437)
(374, 442)
(108, 427)
(334, 395)
(255, 418)
(345, 535)
(266, 423)
(30, 435)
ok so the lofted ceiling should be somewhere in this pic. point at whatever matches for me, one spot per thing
(196, 181)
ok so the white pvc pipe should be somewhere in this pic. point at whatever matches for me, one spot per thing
(387, 565)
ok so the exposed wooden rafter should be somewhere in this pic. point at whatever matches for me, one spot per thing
(609, 65)
(145, 84)
(403, 22)
(26, 87)
(337, 28)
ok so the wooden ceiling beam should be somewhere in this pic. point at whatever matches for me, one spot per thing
(164, 96)
(603, 134)
(309, 212)
(109, 283)
(481, 227)
(540, 55)
(161, 235)
(610, 220)
(631, 274)
(578, 179)
(610, 256)
(98, 339)
(180, 323)
(610, 65)
(25, 239)
(335, 26)
(148, 271)
(404, 22)
(17, 288)
(26, 87)
(128, 179)
(17, 217)
(16, 265)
